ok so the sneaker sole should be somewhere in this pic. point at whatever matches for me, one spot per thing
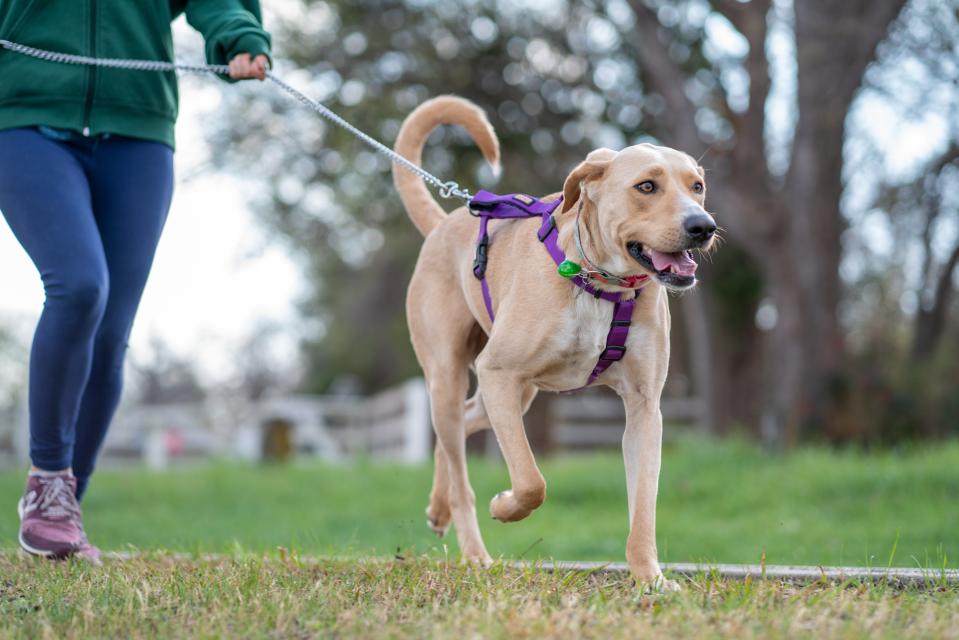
(34, 552)
(26, 547)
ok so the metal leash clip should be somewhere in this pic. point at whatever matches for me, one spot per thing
(451, 189)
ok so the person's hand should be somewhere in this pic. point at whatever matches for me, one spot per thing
(242, 68)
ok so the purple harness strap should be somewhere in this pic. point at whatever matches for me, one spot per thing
(488, 205)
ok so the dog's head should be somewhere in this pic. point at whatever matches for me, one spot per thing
(648, 207)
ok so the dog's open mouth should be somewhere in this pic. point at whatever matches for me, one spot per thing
(676, 269)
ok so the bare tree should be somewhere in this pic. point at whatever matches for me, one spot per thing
(924, 205)
(163, 377)
(790, 224)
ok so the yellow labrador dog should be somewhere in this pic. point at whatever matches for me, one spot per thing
(632, 218)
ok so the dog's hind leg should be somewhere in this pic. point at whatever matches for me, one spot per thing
(506, 400)
(438, 511)
(447, 390)
(438, 514)
(478, 420)
(441, 342)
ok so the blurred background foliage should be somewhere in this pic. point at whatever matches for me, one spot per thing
(828, 130)
(12, 383)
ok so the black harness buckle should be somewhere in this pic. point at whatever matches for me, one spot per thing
(482, 258)
(613, 353)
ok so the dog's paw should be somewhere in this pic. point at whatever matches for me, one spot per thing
(438, 521)
(658, 585)
(506, 507)
(478, 558)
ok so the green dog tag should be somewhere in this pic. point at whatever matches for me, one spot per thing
(568, 269)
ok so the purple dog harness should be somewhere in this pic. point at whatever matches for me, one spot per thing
(488, 205)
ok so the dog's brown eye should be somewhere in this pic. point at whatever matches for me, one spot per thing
(698, 187)
(647, 186)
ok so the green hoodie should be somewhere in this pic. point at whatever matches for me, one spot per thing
(93, 101)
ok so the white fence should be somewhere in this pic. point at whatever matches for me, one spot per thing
(392, 425)
(592, 420)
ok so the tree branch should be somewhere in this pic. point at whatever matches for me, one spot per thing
(947, 157)
(742, 197)
(751, 21)
(666, 76)
(877, 16)
(930, 322)
(944, 286)
(839, 39)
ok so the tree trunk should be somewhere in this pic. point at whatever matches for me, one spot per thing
(792, 231)
(701, 368)
(931, 320)
(735, 346)
(738, 382)
(803, 267)
(789, 358)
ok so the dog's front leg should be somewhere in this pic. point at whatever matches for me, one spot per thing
(506, 400)
(642, 448)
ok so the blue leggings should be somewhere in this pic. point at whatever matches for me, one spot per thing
(89, 212)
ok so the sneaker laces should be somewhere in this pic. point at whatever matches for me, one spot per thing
(57, 501)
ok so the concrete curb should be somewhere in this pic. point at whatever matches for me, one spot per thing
(798, 574)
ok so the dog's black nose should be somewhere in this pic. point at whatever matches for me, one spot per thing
(699, 227)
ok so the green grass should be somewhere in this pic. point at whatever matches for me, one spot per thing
(158, 596)
(719, 502)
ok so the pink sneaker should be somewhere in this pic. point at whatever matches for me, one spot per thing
(88, 552)
(50, 520)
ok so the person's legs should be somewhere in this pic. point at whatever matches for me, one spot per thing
(46, 200)
(132, 185)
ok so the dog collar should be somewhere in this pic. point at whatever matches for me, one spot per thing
(594, 272)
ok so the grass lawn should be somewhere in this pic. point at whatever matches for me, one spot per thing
(719, 502)
(157, 596)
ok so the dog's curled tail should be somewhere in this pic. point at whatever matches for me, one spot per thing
(422, 208)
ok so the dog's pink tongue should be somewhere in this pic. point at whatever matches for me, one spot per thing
(679, 262)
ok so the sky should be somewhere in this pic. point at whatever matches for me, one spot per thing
(215, 277)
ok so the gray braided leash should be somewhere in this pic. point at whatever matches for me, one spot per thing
(446, 189)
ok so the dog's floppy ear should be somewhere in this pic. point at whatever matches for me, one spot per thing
(592, 167)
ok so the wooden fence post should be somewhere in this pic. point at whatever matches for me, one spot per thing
(21, 434)
(418, 429)
(155, 453)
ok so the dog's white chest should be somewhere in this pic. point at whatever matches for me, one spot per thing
(588, 324)
(578, 343)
